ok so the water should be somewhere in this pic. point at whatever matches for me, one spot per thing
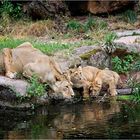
(112, 119)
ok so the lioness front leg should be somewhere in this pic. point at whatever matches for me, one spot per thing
(9, 72)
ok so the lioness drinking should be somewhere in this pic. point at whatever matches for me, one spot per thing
(28, 60)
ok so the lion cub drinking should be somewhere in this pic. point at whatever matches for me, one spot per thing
(105, 76)
(92, 80)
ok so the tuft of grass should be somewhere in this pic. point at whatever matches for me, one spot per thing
(130, 16)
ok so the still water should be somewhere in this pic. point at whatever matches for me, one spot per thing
(113, 119)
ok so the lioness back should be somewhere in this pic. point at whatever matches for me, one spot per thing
(24, 54)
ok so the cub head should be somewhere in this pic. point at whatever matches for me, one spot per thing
(64, 89)
(94, 89)
(76, 76)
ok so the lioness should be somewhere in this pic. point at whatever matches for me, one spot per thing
(105, 76)
(28, 60)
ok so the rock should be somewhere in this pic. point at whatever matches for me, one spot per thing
(40, 9)
(92, 55)
(18, 86)
(126, 91)
(126, 45)
(100, 60)
(128, 33)
(99, 7)
(12, 90)
(86, 51)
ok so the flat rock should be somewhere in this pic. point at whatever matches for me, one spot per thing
(19, 86)
(129, 43)
(128, 33)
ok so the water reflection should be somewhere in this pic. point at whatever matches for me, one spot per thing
(84, 120)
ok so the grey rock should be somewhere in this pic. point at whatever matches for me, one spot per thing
(100, 60)
(128, 33)
(129, 43)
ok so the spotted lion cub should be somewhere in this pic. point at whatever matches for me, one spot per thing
(108, 77)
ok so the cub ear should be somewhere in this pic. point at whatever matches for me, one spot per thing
(80, 69)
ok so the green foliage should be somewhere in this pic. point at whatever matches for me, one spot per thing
(136, 66)
(125, 97)
(74, 25)
(122, 65)
(109, 38)
(108, 44)
(135, 90)
(36, 89)
(90, 24)
(130, 16)
(13, 11)
(47, 48)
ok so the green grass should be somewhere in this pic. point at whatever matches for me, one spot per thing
(47, 48)
(125, 97)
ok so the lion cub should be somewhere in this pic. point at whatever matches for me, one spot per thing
(105, 76)
(82, 77)
(92, 80)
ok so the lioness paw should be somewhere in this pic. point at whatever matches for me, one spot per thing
(11, 75)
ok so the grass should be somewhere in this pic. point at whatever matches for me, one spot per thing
(47, 48)
(125, 97)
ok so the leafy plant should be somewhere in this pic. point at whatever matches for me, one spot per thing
(136, 66)
(36, 89)
(13, 11)
(122, 65)
(130, 16)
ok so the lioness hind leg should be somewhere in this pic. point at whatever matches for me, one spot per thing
(9, 72)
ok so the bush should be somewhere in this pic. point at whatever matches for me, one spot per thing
(13, 11)
(123, 65)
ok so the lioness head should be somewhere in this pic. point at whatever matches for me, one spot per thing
(64, 89)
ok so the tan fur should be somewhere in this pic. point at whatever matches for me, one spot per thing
(28, 60)
(108, 77)
(92, 80)
(82, 77)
